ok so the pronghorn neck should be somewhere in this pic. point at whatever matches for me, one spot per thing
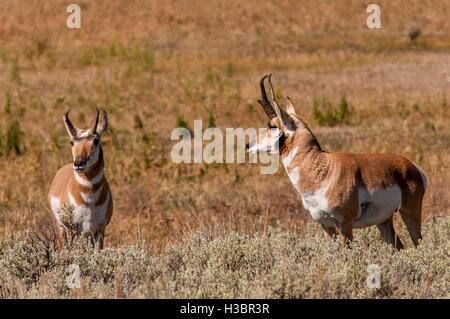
(94, 174)
(301, 146)
(304, 160)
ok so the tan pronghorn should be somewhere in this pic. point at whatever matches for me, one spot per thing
(83, 184)
(344, 190)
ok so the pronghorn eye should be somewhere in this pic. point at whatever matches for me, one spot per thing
(96, 141)
(71, 143)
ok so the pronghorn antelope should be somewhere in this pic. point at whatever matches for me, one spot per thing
(83, 184)
(344, 190)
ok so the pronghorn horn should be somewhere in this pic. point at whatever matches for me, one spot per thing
(69, 126)
(274, 101)
(264, 101)
(94, 128)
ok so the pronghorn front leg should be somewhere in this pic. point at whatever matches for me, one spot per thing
(63, 235)
(97, 239)
(330, 232)
(346, 228)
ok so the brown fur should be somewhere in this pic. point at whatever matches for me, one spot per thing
(345, 174)
(65, 182)
(348, 172)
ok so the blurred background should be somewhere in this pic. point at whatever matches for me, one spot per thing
(158, 65)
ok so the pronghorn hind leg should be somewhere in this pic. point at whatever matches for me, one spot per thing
(389, 235)
(412, 219)
(330, 232)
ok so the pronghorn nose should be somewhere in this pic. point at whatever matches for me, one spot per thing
(79, 161)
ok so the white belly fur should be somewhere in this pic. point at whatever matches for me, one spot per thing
(379, 205)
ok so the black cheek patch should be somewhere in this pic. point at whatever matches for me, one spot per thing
(281, 140)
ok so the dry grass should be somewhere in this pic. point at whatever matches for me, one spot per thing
(220, 263)
(152, 64)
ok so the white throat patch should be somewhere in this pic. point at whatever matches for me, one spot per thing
(288, 159)
(85, 182)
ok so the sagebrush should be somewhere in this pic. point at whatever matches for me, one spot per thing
(219, 263)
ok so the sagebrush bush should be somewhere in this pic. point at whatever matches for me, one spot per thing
(226, 264)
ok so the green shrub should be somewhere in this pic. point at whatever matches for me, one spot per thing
(329, 115)
(414, 31)
(13, 138)
(15, 70)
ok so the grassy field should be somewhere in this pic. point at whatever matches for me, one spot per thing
(156, 65)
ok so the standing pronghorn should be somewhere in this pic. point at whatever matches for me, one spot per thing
(341, 189)
(83, 184)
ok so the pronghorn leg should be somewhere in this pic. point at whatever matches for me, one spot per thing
(66, 240)
(387, 231)
(330, 232)
(92, 240)
(98, 238)
(412, 219)
(63, 235)
(346, 228)
(101, 239)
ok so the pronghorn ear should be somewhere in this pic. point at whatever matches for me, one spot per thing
(290, 106)
(103, 124)
(71, 129)
(287, 120)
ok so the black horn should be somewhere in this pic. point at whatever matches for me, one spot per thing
(70, 128)
(264, 101)
(275, 105)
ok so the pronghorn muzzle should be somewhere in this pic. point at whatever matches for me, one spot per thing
(80, 163)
